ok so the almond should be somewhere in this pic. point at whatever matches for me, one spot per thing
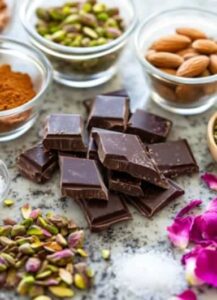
(188, 93)
(171, 43)
(205, 46)
(213, 64)
(168, 71)
(187, 53)
(193, 67)
(165, 60)
(192, 33)
(205, 73)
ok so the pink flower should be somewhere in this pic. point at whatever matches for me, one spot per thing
(212, 206)
(179, 231)
(186, 295)
(210, 180)
(193, 204)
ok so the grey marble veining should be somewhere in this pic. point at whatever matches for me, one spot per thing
(140, 233)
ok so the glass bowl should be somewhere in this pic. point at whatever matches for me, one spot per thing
(76, 66)
(180, 95)
(4, 174)
(25, 59)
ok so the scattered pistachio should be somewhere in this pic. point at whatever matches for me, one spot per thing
(43, 274)
(8, 258)
(5, 230)
(8, 202)
(61, 291)
(26, 211)
(33, 264)
(26, 249)
(42, 298)
(52, 247)
(79, 281)
(61, 240)
(81, 252)
(106, 254)
(12, 279)
(25, 284)
(18, 230)
(61, 257)
(66, 276)
(37, 291)
(9, 221)
(75, 239)
(5, 241)
(83, 18)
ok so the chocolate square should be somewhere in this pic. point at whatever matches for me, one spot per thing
(64, 132)
(126, 153)
(37, 163)
(101, 215)
(81, 179)
(174, 158)
(150, 128)
(109, 112)
(155, 198)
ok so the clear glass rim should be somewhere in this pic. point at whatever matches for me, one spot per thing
(6, 178)
(158, 73)
(47, 75)
(77, 50)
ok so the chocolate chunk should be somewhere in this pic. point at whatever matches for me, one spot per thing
(81, 179)
(155, 198)
(150, 128)
(174, 158)
(101, 215)
(126, 184)
(64, 132)
(109, 112)
(37, 164)
(126, 153)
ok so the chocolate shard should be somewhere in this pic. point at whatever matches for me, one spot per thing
(174, 158)
(64, 132)
(37, 164)
(150, 128)
(109, 112)
(155, 198)
(81, 179)
(102, 215)
(126, 153)
(125, 184)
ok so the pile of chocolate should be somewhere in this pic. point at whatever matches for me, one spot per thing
(114, 159)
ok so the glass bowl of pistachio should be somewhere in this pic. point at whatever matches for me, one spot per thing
(83, 39)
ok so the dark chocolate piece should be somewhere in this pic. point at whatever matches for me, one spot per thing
(101, 215)
(37, 164)
(81, 179)
(126, 153)
(155, 198)
(125, 184)
(150, 128)
(109, 112)
(174, 158)
(64, 132)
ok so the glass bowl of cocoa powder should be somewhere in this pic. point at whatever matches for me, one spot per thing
(25, 75)
(164, 57)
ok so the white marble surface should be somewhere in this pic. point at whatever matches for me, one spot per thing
(141, 234)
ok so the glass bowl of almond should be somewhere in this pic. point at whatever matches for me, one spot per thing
(178, 51)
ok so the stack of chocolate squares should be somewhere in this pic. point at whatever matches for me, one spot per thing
(116, 159)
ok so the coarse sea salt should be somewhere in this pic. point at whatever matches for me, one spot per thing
(152, 275)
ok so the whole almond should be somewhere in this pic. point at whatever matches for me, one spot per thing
(168, 71)
(213, 64)
(165, 60)
(205, 46)
(192, 33)
(188, 94)
(171, 43)
(193, 67)
(205, 73)
(164, 91)
(187, 53)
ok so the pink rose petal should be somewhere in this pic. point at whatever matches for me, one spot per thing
(206, 266)
(187, 295)
(179, 231)
(210, 180)
(212, 206)
(193, 204)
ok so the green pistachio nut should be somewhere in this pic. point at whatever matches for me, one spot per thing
(43, 14)
(88, 19)
(99, 7)
(72, 19)
(90, 32)
(103, 16)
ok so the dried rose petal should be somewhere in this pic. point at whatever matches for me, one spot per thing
(193, 204)
(210, 180)
(186, 295)
(212, 206)
(179, 231)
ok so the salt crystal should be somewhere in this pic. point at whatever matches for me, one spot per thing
(2, 185)
(153, 275)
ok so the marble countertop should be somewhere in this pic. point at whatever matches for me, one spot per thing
(140, 234)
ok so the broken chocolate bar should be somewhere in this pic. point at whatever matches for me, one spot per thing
(81, 179)
(150, 128)
(126, 153)
(101, 215)
(37, 164)
(125, 184)
(174, 158)
(64, 132)
(155, 198)
(109, 112)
